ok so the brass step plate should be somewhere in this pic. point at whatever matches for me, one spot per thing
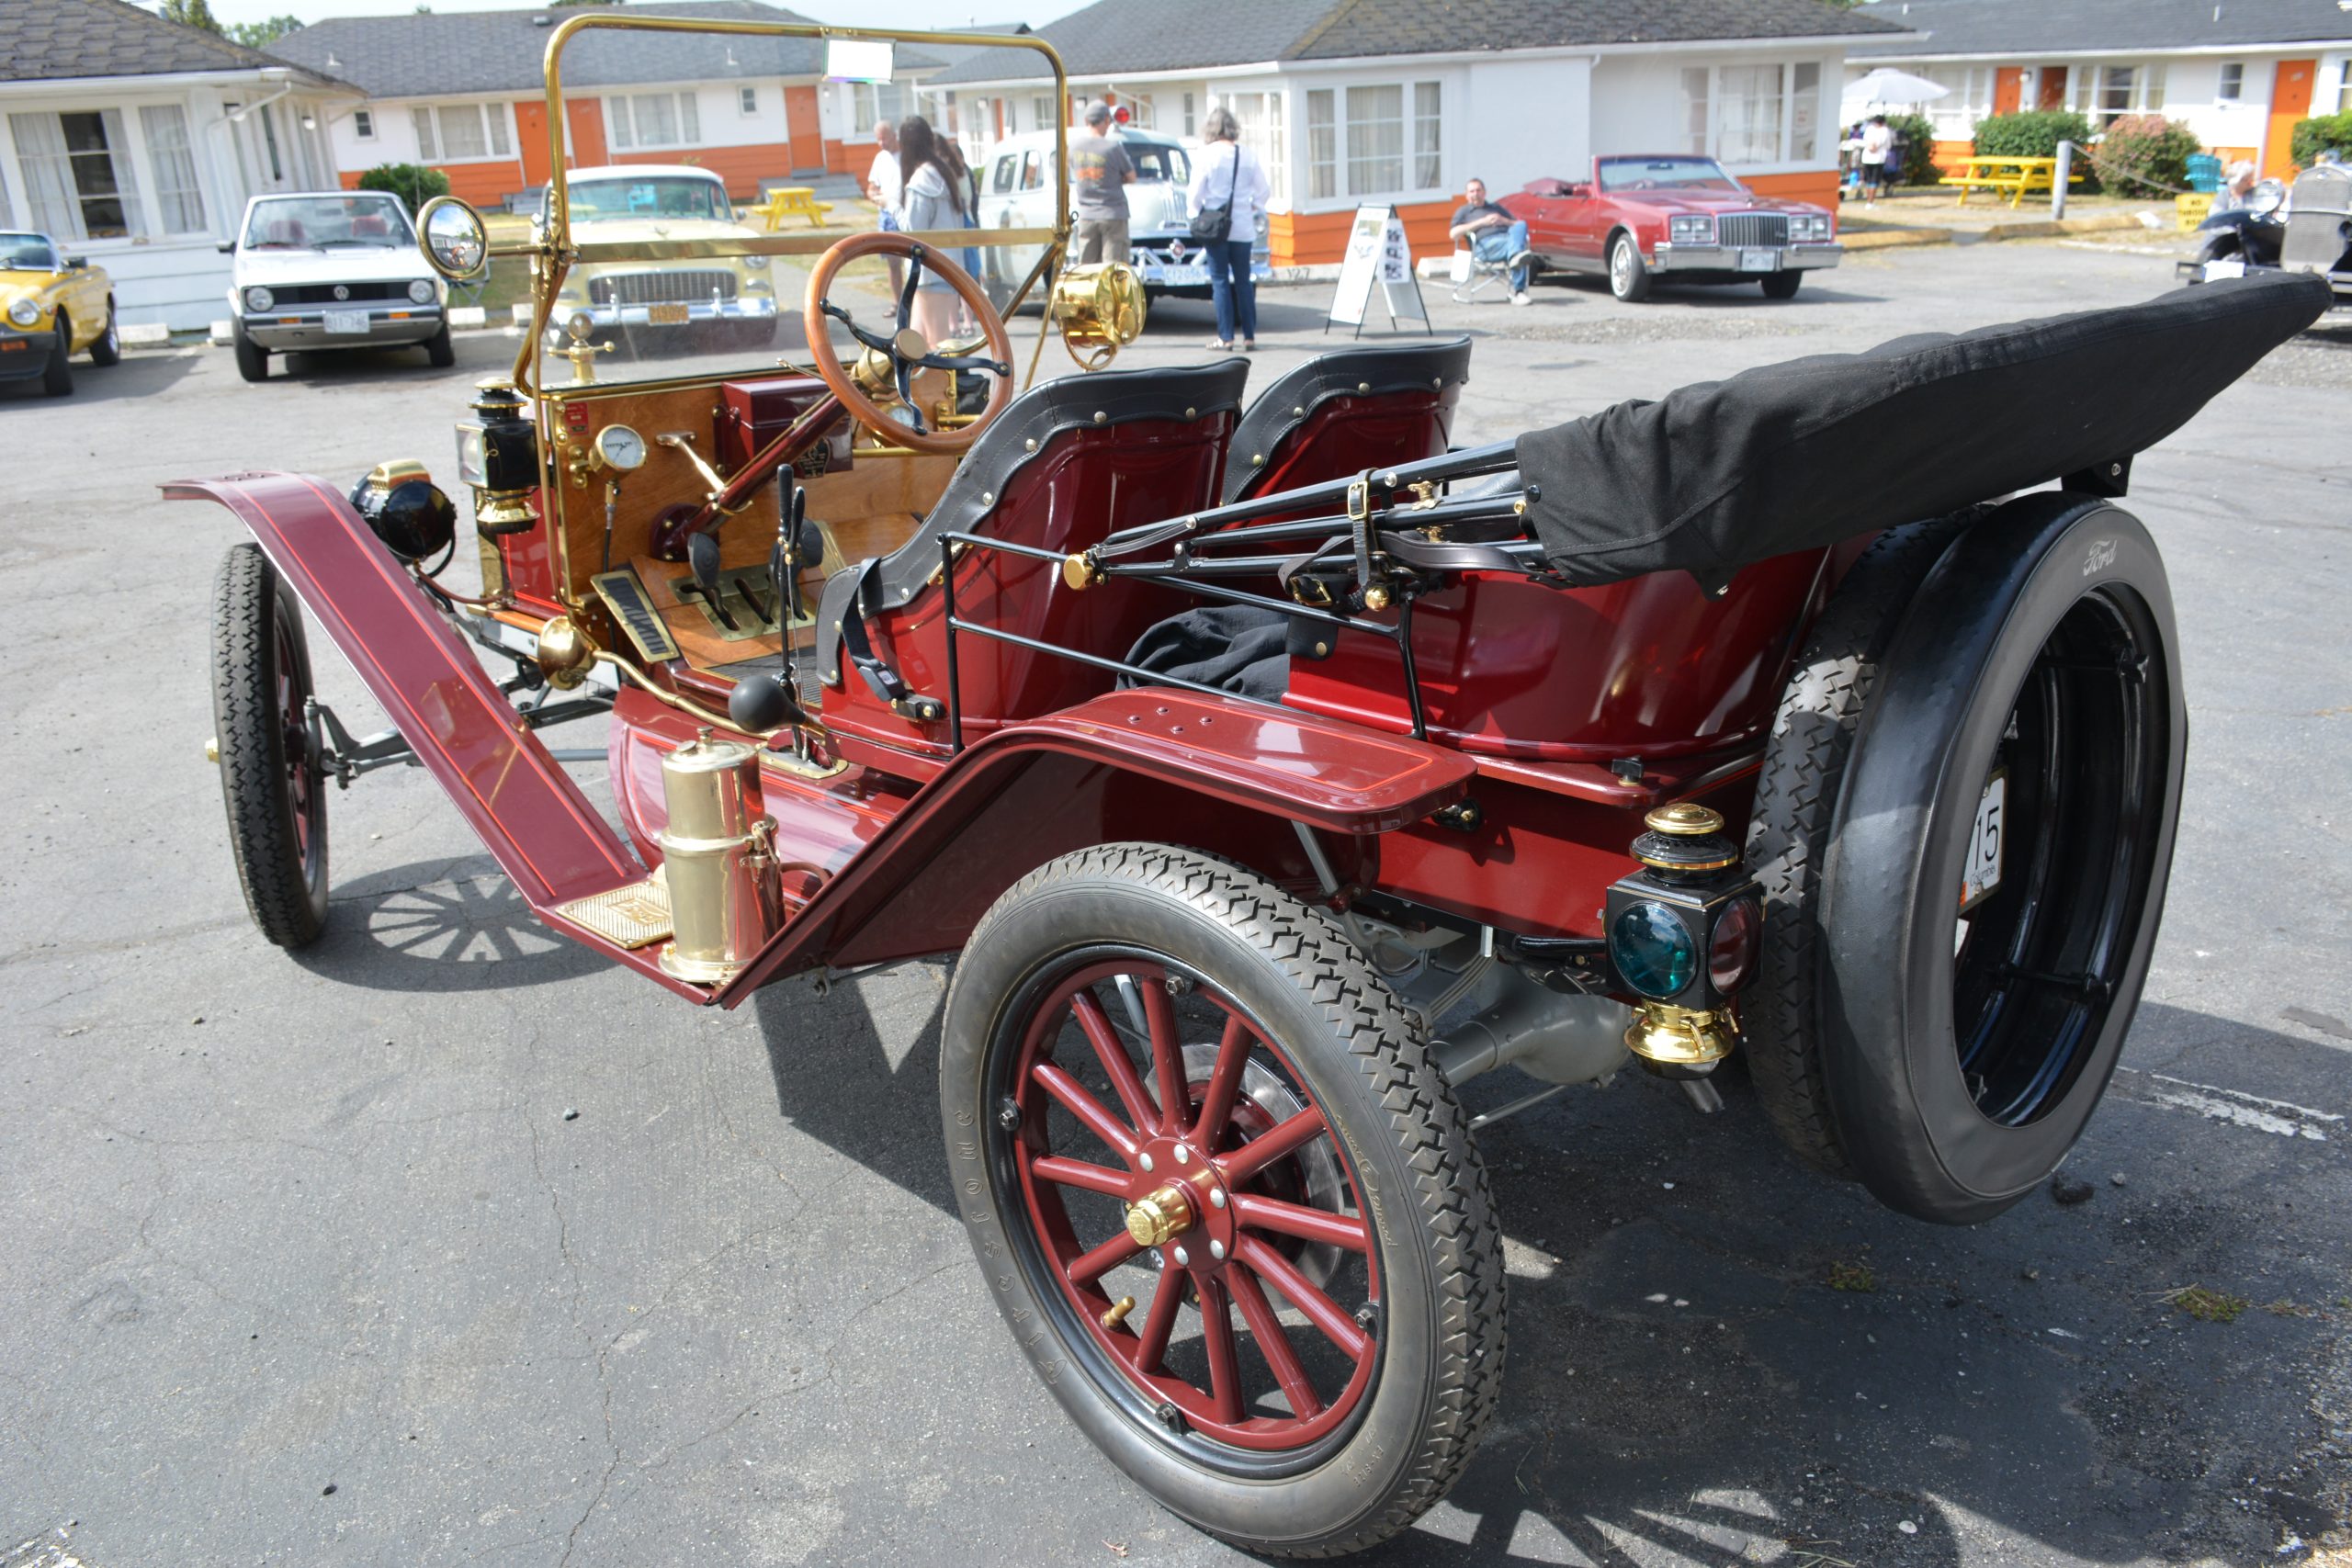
(632, 917)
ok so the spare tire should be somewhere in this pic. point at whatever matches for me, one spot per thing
(1990, 883)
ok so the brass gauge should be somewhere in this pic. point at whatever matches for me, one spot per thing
(619, 448)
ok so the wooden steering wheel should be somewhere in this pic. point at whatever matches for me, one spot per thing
(905, 346)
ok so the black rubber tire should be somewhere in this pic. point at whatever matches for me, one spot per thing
(1365, 1059)
(57, 375)
(253, 360)
(2048, 571)
(1788, 832)
(1632, 282)
(286, 889)
(108, 348)
(1782, 285)
(2221, 243)
(440, 352)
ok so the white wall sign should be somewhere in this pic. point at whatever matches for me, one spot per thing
(1377, 252)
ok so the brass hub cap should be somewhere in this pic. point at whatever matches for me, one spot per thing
(910, 343)
(1157, 1218)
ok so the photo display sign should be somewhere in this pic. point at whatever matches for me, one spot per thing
(1377, 255)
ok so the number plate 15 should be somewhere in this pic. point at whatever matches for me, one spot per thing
(1981, 878)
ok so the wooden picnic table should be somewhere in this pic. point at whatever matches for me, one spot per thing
(787, 201)
(2018, 176)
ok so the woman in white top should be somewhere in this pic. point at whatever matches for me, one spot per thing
(929, 200)
(1227, 175)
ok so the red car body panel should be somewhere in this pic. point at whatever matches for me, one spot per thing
(1570, 223)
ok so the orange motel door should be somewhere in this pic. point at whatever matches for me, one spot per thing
(2290, 100)
(2050, 88)
(2007, 83)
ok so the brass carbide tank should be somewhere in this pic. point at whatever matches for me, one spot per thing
(718, 859)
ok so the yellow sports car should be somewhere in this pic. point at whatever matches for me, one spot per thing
(52, 305)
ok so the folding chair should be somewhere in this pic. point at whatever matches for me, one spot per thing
(1471, 275)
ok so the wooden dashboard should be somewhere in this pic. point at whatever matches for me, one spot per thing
(866, 502)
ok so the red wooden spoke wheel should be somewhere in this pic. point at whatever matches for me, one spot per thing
(1208, 1180)
(1224, 1202)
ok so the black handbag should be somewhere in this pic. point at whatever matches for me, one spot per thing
(1213, 225)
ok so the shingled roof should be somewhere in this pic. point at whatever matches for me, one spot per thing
(2022, 29)
(52, 41)
(427, 55)
(1116, 37)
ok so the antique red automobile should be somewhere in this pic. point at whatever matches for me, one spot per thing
(1672, 217)
(1273, 769)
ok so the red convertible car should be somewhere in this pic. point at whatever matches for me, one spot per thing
(1641, 215)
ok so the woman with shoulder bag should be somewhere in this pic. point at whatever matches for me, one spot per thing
(1229, 193)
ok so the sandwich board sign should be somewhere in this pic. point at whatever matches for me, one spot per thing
(1377, 254)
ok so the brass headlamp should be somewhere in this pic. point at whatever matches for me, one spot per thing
(1099, 310)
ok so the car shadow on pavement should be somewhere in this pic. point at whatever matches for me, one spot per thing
(1716, 1354)
(136, 375)
(440, 926)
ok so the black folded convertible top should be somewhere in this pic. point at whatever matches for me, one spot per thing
(1804, 455)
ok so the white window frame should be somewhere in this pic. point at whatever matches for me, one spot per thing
(1706, 106)
(494, 120)
(866, 101)
(1261, 120)
(747, 101)
(1323, 164)
(1190, 117)
(363, 125)
(2226, 91)
(1041, 109)
(1955, 114)
(2088, 87)
(622, 131)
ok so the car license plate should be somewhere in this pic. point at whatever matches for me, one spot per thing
(2232, 267)
(672, 315)
(1981, 878)
(1759, 260)
(347, 323)
(1178, 276)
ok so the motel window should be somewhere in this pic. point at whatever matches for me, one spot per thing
(77, 173)
(362, 124)
(2106, 93)
(178, 200)
(1322, 145)
(1805, 111)
(1042, 110)
(2344, 88)
(1261, 115)
(1695, 118)
(1375, 139)
(747, 101)
(653, 120)
(460, 133)
(1748, 110)
(2232, 86)
(870, 103)
(1954, 116)
(1188, 128)
(1427, 153)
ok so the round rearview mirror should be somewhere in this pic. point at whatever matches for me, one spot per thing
(455, 243)
(581, 327)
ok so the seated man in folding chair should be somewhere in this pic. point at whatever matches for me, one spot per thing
(1496, 239)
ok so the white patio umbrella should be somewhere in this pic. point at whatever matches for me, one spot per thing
(1883, 87)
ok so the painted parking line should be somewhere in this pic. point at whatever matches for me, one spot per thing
(2282, 1118)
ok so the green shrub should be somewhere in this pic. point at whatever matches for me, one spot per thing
(413, 183)
(1918, 135)
(2147, 154)
(2318, 134)
(2034, 134)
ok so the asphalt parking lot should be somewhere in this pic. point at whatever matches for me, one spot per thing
(310, 1261)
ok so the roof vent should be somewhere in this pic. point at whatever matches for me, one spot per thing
(542, 21)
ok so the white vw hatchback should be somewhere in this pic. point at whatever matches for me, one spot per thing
(329, 270)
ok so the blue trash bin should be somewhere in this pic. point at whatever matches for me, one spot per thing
(2204, 173)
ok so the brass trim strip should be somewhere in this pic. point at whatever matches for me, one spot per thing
(593, 252)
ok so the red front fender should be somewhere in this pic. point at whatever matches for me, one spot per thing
(531, 817)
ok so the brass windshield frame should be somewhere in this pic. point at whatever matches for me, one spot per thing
(554, 253)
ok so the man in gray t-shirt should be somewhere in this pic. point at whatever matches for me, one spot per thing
(1099, 171)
